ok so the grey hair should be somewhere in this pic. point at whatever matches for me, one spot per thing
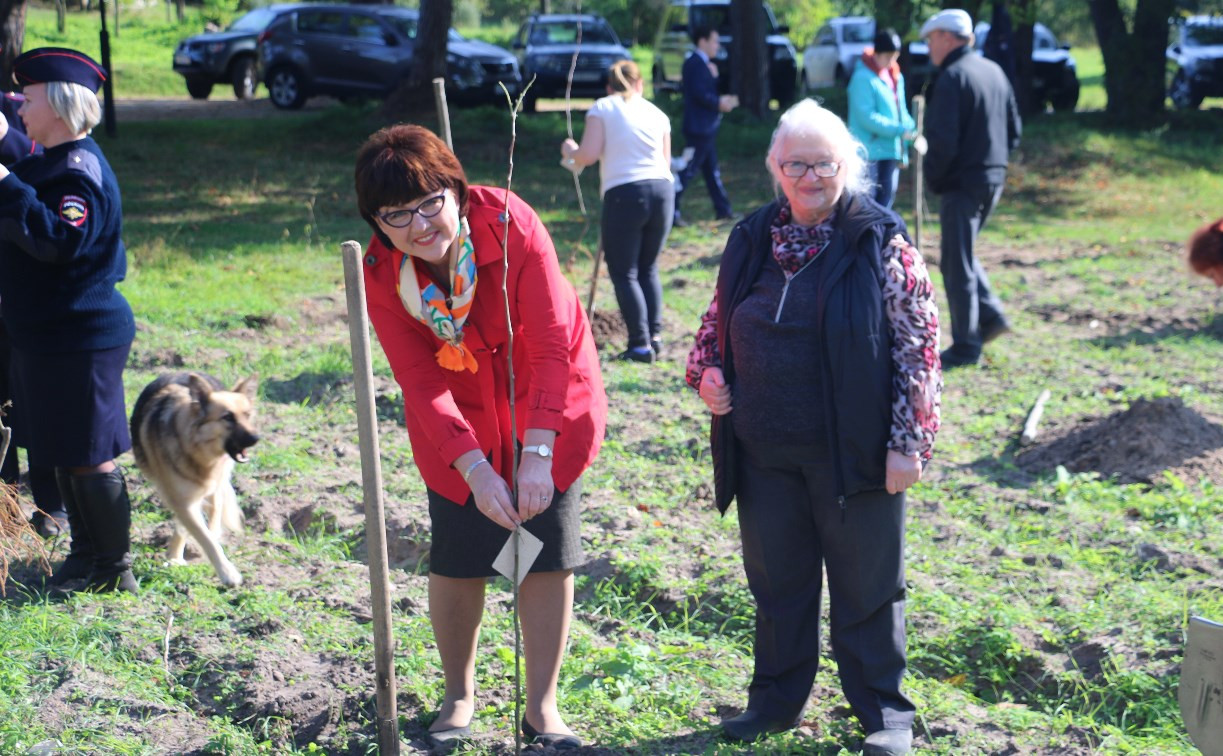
(76, 105)
(807, 118)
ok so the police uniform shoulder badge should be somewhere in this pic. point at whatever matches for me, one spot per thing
(73, 209)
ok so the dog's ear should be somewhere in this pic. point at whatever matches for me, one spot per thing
(248, 386)
(200, 388)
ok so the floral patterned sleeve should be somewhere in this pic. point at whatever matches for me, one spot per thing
(705, 351)
(917, 383)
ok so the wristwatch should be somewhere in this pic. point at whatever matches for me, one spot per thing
(542, 450)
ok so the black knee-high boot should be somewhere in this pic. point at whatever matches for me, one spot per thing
(79, 561)
(102, 500)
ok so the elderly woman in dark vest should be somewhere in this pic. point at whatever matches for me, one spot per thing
(819, 360)
(61, 256)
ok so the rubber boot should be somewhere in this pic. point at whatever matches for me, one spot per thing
(79, 561)
(102, 499)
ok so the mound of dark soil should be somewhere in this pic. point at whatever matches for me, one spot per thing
(1136, 445)
(608, 329)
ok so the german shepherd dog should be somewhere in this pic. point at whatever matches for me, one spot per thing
(187, 433)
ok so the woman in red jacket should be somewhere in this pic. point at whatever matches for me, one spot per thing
(433, 277)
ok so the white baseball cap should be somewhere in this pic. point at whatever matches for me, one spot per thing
(953, 20)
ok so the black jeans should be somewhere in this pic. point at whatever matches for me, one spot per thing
(973, 304)
(792, 525)
(636, 221)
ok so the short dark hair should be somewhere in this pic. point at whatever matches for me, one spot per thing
(887, 40)
(402, 163)
(1206, 247)
(702, 32)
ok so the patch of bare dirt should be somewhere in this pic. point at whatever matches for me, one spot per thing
(172, 108)
(1136, 445)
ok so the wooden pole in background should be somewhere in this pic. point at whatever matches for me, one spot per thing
(443, 111)
(371, 483)
(919, 184)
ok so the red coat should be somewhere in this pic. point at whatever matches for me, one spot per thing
(558, 385)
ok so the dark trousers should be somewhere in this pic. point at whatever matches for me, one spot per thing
(973, 304)
(636, 221)
(43, 487)
(791, 523)
(885, 175)
(705, 160)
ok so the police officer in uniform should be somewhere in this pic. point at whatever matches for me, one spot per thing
(49, 519)
(61, 255)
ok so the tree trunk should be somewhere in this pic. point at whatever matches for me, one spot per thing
(12, 37)
(1025, 68)
(415, 92)
(1133, 62)
(897, 14)
(750, 69)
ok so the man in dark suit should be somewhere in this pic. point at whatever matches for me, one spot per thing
(703, 109)
(972, 125)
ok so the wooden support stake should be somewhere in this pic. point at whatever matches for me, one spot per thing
(919, 184)
(594, 279)
(443, 111)
(371, 483)
(1030, 426)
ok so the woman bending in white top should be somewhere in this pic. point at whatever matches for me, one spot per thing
(630, 138)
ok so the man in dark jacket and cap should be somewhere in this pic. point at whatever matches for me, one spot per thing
(972, 125)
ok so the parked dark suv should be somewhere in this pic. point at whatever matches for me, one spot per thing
(674, 42)
(1196, 61)
(224, 57)
(351, 51)
(546, 44)
(1055, 78)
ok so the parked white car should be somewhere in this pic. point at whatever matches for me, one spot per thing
(830, 57)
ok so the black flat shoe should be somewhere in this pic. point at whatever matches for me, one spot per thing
(550, 739)
(446, 739)
(750, 726)
(952, 360)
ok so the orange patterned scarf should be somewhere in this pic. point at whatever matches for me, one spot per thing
(444, 315)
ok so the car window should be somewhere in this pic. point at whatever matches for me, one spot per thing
(1201, 35)
(713, 16)
(566, 33)
(405, 26)
(718, 17)
(1043, 39)
(826, 36)
(858, 33)
(367, 28)
(256, 21)
(320, 22)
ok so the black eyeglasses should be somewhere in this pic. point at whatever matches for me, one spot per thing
(798, 169)
(403, 218)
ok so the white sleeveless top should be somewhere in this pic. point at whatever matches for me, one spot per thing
(633, 132)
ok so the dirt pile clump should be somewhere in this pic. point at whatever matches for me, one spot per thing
(1136, 445)
(608, 329)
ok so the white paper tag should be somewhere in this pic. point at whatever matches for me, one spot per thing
(528, 551)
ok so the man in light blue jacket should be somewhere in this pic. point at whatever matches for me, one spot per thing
(878, 114)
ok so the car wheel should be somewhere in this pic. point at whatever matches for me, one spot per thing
(243, 78)
(1181, 92)
(285, 88)
(783, 91)
(842, 76)
(199, 89)
(1064, 100)
(660, 80)
(529, 103)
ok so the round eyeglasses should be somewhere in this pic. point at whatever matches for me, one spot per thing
(798, 169)
(403, 218)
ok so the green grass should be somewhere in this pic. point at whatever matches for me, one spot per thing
(1033, 625)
